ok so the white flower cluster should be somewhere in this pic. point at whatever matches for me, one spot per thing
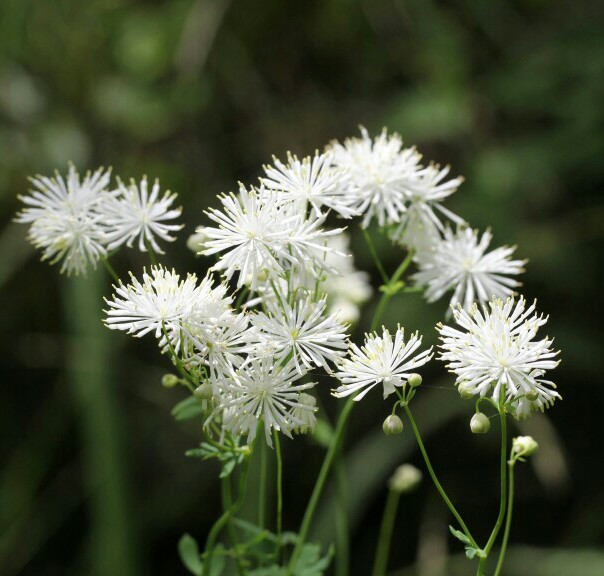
(274, 308)
(78, 221)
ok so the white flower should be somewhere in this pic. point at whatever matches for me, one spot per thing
(64, 218)
(495, 352)
(136, 213)
(262, 238)
(310, 181)
(251, 232)
(382, 360)
(460, 263)
(164, 301)
(263, 391)
(420, 226)
(376, 174)
(303, 331)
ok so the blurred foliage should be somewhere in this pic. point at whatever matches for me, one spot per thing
(200, 93)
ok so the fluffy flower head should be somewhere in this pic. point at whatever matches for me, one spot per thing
(495, 352)
(382, 360)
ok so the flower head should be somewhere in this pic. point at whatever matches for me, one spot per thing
(382, 360)
(460, 263)
(64, 219)
(303, 331)
(376, 173)
(135, 213)
(163, 301)
(263, 391)
(310, 181)
(495, 353)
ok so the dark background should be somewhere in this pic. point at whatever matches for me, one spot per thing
(200, 93)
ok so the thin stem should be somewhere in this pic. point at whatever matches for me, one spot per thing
(440, 489)
(387, 295)
(224, 520)
(481, 565)
(152, 255)
(503, 473)
(227, 503)
(381, 556)
(279, 490)
(110, 269)
(321, 478)
(374, 255)
(508, 520)
(263, 485)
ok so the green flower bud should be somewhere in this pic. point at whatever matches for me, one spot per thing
(405, 478)
(464, 391)
(532, 395)
(169, 380)
(480, 424)
(414, 380)
(204, 392)
(524, 446)
(392, 425)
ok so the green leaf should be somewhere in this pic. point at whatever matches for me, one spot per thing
(189, 554)
(187, 409)
(459, 535)
(310, 562)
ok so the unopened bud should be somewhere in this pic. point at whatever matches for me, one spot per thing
(414, 380)
(405, 478)
(524, 446)
(392, 425)
(196, 242)
(204, 392)
(532, 395)
(465, 391)
(480, 424)
(169, 380)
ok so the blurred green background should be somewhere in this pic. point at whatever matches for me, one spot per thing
(200, 93)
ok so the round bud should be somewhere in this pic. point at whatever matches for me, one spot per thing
(524, 446)
(414, 380)
(532, 395)
(203, 392)
(480, 424)
(169, 380)
(405, 478)
(465, 391)
(392, 425)
(196, 242)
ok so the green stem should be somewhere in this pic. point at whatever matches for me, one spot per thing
(263, 485)
(227, 503)
(440, 489)
(152, 255)
(110, 269)
(224, 520)
(508, 520)
(279, 490)
(503, 474)
(386, 296)
(481, 565)
(374, 255)
(381, 556)
(322, 477)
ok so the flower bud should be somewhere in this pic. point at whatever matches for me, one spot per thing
(465, 391)
(196, 242)
(480, 424)
(169, 380)
(524, 446)
(204, 392)
(414, 380)
(405, 478)
(532, 395)
(392, 425)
